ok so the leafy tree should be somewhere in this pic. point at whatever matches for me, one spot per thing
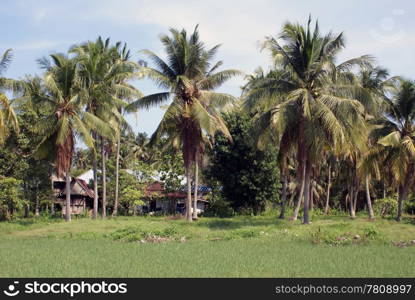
(10, 197)
(132, 197)
(248, 178)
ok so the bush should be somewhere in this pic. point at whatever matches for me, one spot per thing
(135, 234)
(218, 208)
(410, 207)
(385, 207)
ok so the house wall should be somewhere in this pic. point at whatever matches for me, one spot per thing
(78, 205)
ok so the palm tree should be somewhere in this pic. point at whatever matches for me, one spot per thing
(7, 115)
(313, 103)
(395, 135)
(104, 71)
(189, 78)
(374, 84)
(66, 119)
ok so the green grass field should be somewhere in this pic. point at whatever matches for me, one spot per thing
(212, 247)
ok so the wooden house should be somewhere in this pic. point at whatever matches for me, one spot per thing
(159, 200)
(82, 196)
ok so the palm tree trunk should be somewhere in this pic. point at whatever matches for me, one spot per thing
(189, 195)
(403, 191)
(95, 171)
(283, 196)
(307, 183)
(300, 193)
(369, 201)
(196, 186)
(311, 195)
(104, 180)
(290, 202)
(36, 202)
(52, 206)
(117, 171)
(402, 195)
(327, 207)
(26, 211)
(355, 197)
(68, 197)
(351, 204)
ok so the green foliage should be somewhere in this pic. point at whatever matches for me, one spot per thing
(170, 165)
(338, 237)
(134, 234)
(245, 176)
(385, 207)
(131, 196)
(17, 161)
(218, 207)
(10, 197)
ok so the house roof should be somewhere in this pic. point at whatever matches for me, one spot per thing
(157, 187)
(78, 187)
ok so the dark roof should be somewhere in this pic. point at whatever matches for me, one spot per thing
(201, 188)
(158, 187)
(78, 187)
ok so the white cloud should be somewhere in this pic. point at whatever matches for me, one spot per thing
(37, 45)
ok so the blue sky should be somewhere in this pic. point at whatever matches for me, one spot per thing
(36, 28)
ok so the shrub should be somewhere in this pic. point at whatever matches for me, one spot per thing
(340, 238)
(371, 232)
(385, 207)
(218, 208)
(410, 207)
(134, 234)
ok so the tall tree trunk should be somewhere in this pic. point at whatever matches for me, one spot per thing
(307, 183)
(403, 191)
(117, 175)
(52, 206)
(283, 196)
(189, 195)
(196, 185)
(355, 197)
(351, 204)
(369, 201)
(37, 213)
(68, 197)
(290, 202)
(384, 190)
(402, 195)
(95, 171)
(327, 206)
(300, 194)
(26, 210)
(104, 179)
(311, 195)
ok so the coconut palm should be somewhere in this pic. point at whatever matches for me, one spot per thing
(374, 84)
(8, 117)
(104, 72)
(189, 78)
(313, 109)
(395, 135)
(65, 120)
